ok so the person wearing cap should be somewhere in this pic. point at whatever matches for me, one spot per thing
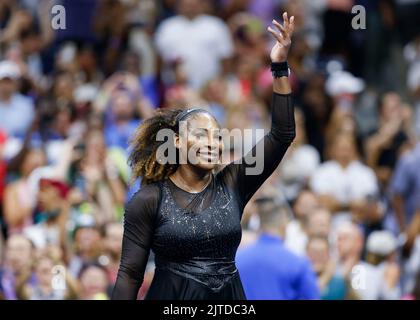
(381, 247)
(16, 110)
(54, 210)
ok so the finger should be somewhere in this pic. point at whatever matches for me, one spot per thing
(276, 35)
(286, 20)
(292, 24)
(281, 28)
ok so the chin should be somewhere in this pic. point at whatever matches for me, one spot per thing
(206, 166)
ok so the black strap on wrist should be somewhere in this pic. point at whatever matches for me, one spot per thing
(280, 69)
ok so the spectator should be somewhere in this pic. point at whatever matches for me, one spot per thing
(405, 187)
(387, 142)
(54, 211)
(296, 236)
(270, 271)
(300, 161)
(87, 247)
(201, 41)
(19, 197)
(16, 110)
(3, 166)
(94, 282)
(381, 247)
(343, 181)
(411, 255)
(333, 286)
(319, 223)
(17, 263)
(97, 178)
(366, 280)
(112, 248)
(43, 287)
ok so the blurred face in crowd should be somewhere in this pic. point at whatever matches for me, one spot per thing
(215, 90)
(35, 158)
(132, 63)
(7, 88)
(18, 252)
(44, 271)
(391, 107)
(95, 147)
(344, 150)
(319, 222)
(88, 241)
(204, 143)
(347, 125)
(349, 240)
(87, 60)
(318, 252)
(94, 281)
(122, 106)
(113, 239)
(49, 198)
(64, 86)
(31, 43)
(306, 202)
(190, 8)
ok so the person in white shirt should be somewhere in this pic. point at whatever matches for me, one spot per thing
(16, 110)
(343, 182)
(299, 162)
(199, 40)
(296, 231)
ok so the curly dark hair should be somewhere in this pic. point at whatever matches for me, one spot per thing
(144, 146)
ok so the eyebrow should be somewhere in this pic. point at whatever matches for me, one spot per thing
(205, 129)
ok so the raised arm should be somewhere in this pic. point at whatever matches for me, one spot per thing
(274, 144)
(139, 225)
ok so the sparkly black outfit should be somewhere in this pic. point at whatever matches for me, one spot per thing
(195, 236)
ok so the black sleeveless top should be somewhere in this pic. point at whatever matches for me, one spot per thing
(194, 236)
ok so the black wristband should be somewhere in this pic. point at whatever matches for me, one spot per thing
(280, 69)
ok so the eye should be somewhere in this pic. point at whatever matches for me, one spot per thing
(200, 133)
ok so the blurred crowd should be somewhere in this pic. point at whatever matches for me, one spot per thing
(71, 98)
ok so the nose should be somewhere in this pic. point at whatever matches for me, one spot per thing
(214, 142)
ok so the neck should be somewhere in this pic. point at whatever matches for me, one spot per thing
(191, 16)
(273, 232)
(121, 120)
(344, 164)
(192, 178)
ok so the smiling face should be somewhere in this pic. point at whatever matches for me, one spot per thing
(201, 143)
(44, 271)
(18, 252)
(318, 253)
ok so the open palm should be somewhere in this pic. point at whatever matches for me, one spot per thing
(283, 36)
